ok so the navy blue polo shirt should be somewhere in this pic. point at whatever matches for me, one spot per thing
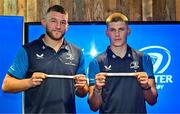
(121, 94)
(53, 95)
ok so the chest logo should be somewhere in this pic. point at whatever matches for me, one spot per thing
(107, 68)
(40, 56)
(134, 65)
(70, 57)
(70, 63)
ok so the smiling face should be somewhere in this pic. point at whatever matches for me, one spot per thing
(117, 33)
(56, 25)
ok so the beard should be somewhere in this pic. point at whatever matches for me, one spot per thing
(50, 34)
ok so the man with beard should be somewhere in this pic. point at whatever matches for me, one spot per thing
(50, 55)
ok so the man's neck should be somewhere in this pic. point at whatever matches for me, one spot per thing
(119, 51)
(55, 44)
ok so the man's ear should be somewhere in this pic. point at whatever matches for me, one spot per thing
(67, 27)
(129, 31)
(43, 22)
(107, 33)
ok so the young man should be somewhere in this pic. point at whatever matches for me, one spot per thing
(131, 81)
(51, 55)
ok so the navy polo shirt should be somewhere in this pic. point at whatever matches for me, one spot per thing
(53, 95)
(121, 94)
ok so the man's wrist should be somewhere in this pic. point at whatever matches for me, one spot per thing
(147, 88)
(98, 91)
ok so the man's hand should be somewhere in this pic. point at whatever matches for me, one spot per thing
(37, 78)
(149, 87)
(100, 80)
(142, 78)
(80, 81)
(81, 85)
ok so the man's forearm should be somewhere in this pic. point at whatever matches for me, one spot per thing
(82, 92)
(151, 93)
(95, 99)
(11, 84)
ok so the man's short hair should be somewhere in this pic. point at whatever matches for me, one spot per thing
(57, 8)
(115, 17)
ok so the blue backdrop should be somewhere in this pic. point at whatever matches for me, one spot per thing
(160, 41)
(11, 36)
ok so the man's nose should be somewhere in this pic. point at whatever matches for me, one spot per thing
(58, 25)
(117, 32)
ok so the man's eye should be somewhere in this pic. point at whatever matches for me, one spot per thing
(53, 21)
(121, 29)
(63, 23)
(112, 30)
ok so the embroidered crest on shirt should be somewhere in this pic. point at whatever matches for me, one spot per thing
(107, 68)
(39, 56)
(69, 56)
(134, 65)
(70, 63)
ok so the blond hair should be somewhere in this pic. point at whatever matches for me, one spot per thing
(115, 17)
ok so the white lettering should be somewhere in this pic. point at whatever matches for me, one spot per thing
(163, 79)
(159, 86)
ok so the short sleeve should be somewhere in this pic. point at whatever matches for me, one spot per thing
(148, 66)
(20, 65)
(81, 67)
(93, 70)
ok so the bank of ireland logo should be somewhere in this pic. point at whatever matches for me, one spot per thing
(161, 59)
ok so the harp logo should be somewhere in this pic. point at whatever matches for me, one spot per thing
(161, 59)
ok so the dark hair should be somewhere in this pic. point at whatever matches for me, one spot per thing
(115, 17)
(57, 8)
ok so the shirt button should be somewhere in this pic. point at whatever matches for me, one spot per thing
(113, 56)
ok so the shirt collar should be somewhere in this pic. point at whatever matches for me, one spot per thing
(114, 56)
(44, 46)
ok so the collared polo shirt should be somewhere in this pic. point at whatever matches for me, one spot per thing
(121, 94)
(53, 95)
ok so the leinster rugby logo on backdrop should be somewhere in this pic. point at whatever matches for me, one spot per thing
(161, 59)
